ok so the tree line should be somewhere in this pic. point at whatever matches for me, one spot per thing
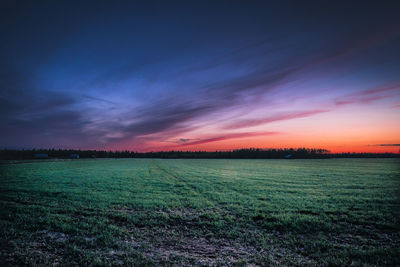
(250, 153)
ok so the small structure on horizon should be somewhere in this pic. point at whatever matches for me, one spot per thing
(41, 155)
(74, 156)
(288, 156)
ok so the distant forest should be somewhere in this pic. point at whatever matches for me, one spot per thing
(251, 153)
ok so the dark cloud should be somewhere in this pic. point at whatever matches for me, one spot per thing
(388, 145)
(32, 117)
(185, 140)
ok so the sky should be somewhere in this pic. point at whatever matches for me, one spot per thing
(200, 75)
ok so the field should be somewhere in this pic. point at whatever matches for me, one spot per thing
(200, 212)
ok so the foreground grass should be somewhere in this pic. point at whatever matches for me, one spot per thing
(200, 212)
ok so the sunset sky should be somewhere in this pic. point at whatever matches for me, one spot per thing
(200, 75)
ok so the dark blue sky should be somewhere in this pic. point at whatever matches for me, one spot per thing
(198, 74)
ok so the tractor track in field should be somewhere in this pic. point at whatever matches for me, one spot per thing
(232, 187)
(170, 173)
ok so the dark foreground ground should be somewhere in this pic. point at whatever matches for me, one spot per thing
(200, 212)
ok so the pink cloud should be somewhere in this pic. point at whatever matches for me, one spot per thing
(279, 117)
(368, 96)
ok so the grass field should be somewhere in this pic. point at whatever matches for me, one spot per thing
(201, 212)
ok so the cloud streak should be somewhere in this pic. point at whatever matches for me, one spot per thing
(274, 118)
(228, 137)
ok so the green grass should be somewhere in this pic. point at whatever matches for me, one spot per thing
(200, 212)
